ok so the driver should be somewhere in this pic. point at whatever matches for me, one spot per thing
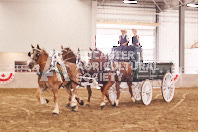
(123, 40)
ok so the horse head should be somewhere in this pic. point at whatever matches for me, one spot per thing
(38, 55)
(96, 55)
(68, 54)
(97, 60)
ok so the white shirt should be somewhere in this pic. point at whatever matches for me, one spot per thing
(127, 38)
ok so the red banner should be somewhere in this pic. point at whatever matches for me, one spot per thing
(6, 77)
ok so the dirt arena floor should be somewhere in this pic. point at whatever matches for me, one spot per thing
(20, 111)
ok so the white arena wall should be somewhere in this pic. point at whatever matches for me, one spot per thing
(169, 39)
(22, 80)
(50, 23)
(73, 23)
(29, 80)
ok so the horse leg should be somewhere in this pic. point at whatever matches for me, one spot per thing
(107, 95)
(89, 95)
(78, 99)
(118, 93)
(104, 92)
(74, 106)
(38, 96)
(130, 90)
(56, 109)
(68, 105)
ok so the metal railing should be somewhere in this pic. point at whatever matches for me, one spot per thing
(15, 68)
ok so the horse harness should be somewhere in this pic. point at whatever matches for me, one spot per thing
(56, 60)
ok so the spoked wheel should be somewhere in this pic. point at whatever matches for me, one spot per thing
(168, 87)
(136, 89)
(113, 93)
(146, 92)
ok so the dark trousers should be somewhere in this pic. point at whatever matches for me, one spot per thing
(124, 48)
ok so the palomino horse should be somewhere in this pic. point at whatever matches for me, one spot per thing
(110, 73)
(52, 79)
(69, 55)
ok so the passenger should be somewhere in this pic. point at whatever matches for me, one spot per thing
(135, 47)
(136, 42)
(123, 41)
(135, 38)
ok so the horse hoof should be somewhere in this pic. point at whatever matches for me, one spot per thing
(55, 113)
(88, 105)
(68, 105)
(133, 99)
(74, 108)
(102, 107)
(47, 101)
(114, 104)
(81, 102)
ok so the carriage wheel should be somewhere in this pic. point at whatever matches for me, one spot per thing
(113, 93)
(136, 89)
(146, 92)
(168, 87)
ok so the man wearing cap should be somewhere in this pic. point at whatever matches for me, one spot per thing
(123, 40)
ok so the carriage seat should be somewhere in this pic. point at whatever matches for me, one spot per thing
(128, 54)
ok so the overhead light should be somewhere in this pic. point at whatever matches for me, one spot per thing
(130, 1)
(192, 5)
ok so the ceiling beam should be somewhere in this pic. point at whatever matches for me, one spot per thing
(128, 23)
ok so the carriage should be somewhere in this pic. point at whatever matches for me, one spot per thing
(143, 76)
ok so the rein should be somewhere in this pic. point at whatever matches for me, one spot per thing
(68, 53)
(69, 58)
(42, 62)
(95, 55)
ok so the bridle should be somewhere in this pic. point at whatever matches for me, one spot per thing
(96, 52)
(67, 52)
(69, 58)
(37, 55)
